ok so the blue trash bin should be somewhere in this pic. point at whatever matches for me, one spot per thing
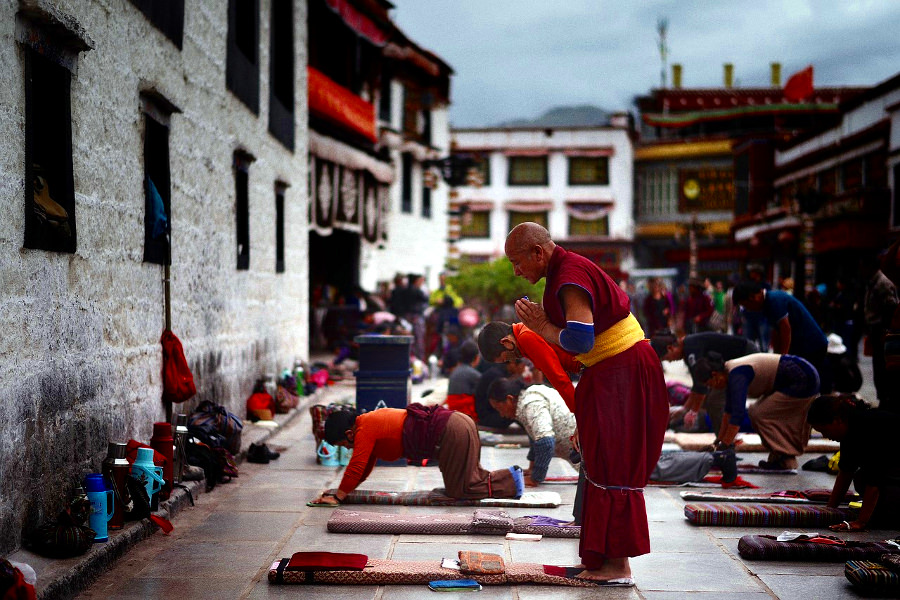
(383, 376)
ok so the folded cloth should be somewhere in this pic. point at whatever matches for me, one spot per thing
(491, 521)
(480, 563)
(326, 561)
(544, 521)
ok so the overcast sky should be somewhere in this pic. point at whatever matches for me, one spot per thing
(518, 58)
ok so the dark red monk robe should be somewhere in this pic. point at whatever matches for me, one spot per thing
(622, 413)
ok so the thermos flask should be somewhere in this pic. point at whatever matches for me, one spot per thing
(101, 505)
(180, 450)
(162, 442)
(116, 469)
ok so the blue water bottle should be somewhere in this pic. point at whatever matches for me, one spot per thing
(101, 505)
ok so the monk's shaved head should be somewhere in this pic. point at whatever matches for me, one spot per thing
(527, 235)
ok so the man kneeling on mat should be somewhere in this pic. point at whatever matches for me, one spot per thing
(418, 432)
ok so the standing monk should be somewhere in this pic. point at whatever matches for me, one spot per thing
(621, 404)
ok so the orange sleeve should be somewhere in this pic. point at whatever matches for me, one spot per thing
(552, 360)
(378, 434)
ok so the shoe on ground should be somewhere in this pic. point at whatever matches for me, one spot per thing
(260, 454)
(726, 461)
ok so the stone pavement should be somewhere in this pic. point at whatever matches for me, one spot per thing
(222, 547)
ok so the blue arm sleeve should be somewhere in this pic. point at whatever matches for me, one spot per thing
(577, 337)
(736, 401)
(543, 452)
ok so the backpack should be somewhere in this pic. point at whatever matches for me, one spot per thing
(213, 422)
(178, 382)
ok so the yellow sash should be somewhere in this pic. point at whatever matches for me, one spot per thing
(615, 340)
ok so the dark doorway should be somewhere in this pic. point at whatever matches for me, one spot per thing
(333, 276)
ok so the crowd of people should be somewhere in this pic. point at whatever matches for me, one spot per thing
(582, 374)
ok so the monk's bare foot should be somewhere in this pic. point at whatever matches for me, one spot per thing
(613, 568)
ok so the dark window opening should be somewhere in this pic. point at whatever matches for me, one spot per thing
(426, 202)
(475, 224)
(896, 211)
(242, 208)
(49, 180)
(166, 15)
(157, 194)
(527, 170)
(384, 99)
(279, 228)
(242, 64)
(407, 184)
(588, 170)
(426, 127)
(517, 218)
(281, 79)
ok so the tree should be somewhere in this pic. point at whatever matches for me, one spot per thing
(493, 285)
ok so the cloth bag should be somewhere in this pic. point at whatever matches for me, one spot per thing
(178, 381)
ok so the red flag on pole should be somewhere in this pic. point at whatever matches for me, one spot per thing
(799, 86)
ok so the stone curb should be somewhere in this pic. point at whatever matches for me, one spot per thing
(61, 579)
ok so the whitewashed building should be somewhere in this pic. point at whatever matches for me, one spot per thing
(100, 100)
(576, 181)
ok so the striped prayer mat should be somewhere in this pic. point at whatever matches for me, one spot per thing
(813, 496)
(401, 572)
(765, 515)
(436, 497)
(481, 522)
(749, 442)
(872, 576)
(766, 547)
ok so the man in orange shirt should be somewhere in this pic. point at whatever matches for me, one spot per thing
(501, 342)
(418, 432)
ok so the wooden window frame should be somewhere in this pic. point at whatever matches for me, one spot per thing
(600, 159)
(513, 159)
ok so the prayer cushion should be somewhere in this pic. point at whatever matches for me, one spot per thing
(480, 563)
(766, 547)
(870, 575)
(765, 515)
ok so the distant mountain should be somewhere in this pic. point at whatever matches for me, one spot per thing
(565, 116)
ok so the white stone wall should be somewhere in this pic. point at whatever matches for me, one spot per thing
(80, 347)
(497, 142)
(415, 244)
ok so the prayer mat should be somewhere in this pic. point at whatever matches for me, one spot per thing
(482, 522)
(816, 496)
(519, 440)
(766, 547)
(749, 442)
(872, 576)
(436, 497)
(402, 572)
(561, 479)
(711, 481)
(766, 515)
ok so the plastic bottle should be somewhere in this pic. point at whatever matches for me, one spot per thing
(301, 379)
